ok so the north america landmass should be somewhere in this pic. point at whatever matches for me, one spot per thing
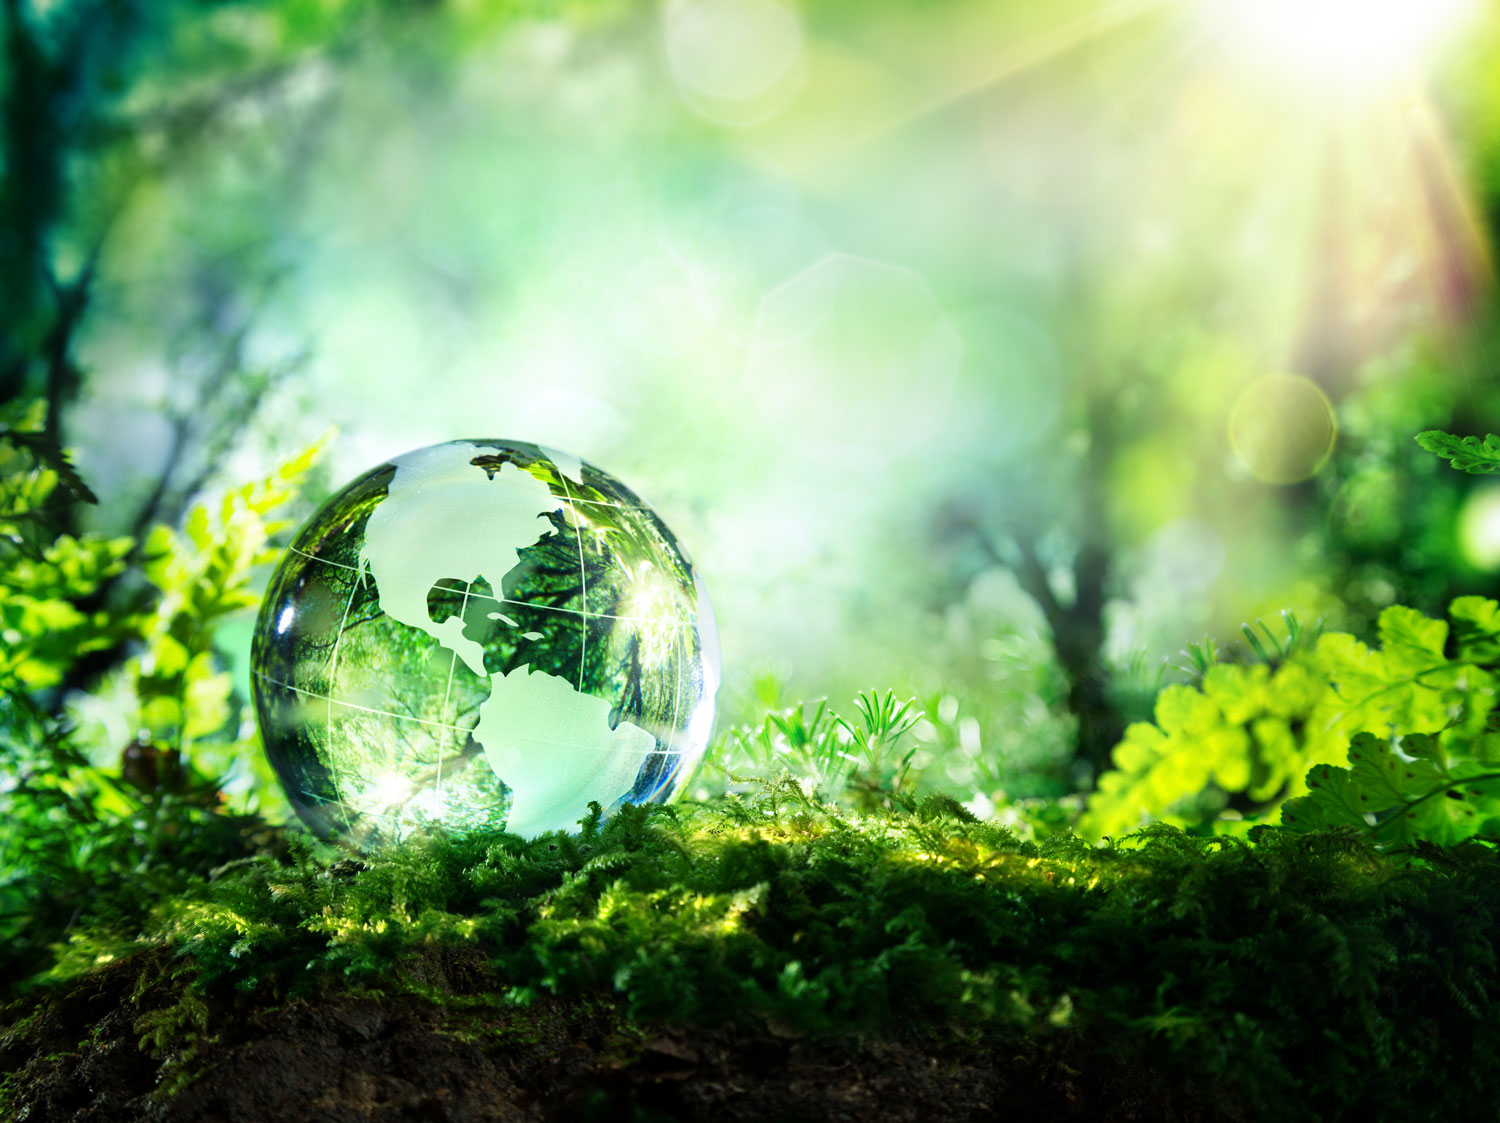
(550, 743)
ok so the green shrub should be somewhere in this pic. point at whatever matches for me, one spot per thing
(95, 829)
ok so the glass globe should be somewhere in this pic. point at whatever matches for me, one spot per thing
(482, 634)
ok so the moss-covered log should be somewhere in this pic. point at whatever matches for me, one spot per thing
(777, 959)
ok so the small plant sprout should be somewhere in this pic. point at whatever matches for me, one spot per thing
(801, 734)
(879, 774)
(1196, 658)
(802, 742)
(827, 755)
(1271, 649)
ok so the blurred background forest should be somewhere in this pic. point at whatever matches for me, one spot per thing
(988, 351)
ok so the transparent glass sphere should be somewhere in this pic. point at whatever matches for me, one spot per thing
(482, 634)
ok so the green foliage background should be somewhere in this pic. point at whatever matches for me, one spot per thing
(958, 356)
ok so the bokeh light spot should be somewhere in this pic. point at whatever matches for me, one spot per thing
(1479, 528)
(1282, 428)
(854, 348)
(736, 62)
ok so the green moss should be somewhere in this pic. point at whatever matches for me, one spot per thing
(1310, 973)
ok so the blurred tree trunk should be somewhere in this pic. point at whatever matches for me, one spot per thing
(37, 313)
(66, 146)
(66, 72)
(1077, 622)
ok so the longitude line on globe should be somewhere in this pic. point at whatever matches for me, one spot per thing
(413, 470)
(333, 670)
(583, 580)
(677, 626)
(437, 784)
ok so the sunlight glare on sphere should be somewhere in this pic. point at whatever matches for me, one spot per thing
(481, 635)
(1282, 428)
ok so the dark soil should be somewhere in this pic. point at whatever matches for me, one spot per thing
(78, 1054)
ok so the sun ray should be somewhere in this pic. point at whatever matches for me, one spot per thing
(1458, 267)
(1057, 41)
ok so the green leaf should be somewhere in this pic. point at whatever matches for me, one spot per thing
(48, 453)
(1467, 454)
(1181, 709)
(1333, 801)
(1256, 730)
(1354, 668)
(1141, 747)
(1476, 628)
(1386, 780)
(1412, 643)
(1239, 691)
(1409, 685)
(1400, 791)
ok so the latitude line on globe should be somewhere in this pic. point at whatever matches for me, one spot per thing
(413, 470)
(332, 701)
(538, 605)
(428, 721)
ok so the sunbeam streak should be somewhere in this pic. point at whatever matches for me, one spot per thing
(1007, 62)
(1336, 44)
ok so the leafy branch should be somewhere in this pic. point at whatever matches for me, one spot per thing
(1227, 750)
(50, 455)
(1466, 454)
(883, 722)
(91, 826)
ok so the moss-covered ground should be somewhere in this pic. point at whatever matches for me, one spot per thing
(775, 958)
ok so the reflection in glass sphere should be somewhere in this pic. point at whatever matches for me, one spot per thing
(482, 634)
